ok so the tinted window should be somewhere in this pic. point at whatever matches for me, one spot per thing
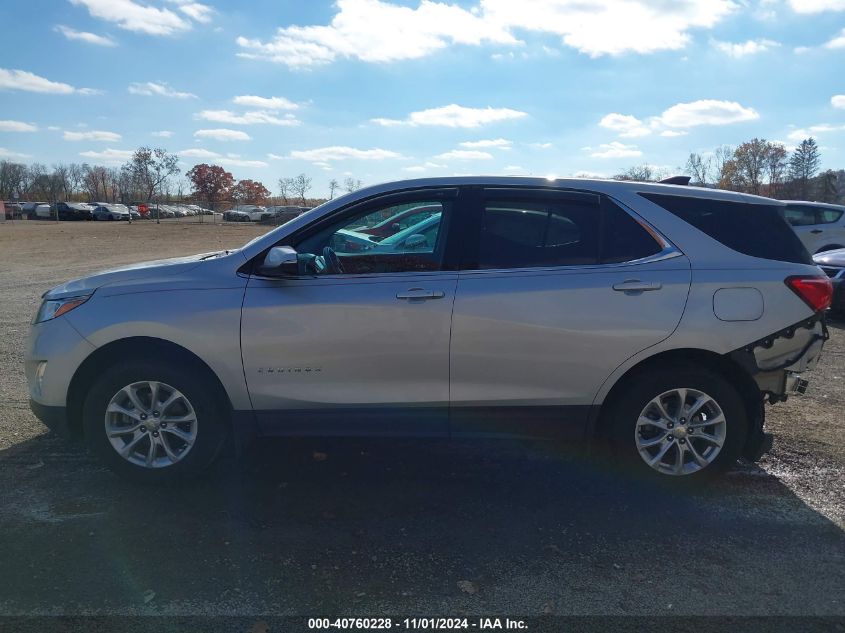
(758, 230)
(828, 216)
(800, 216)
(537, 233)
(417, 247)
(623, 238)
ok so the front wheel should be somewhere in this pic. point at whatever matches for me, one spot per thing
(153, 423)
(678, 423)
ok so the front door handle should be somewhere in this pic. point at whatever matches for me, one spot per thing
(816, 231)
(636, 286)
(420, 294)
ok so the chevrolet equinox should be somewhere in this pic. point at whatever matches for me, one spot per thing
(656, 320)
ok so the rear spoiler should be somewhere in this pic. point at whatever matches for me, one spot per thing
(675, 180)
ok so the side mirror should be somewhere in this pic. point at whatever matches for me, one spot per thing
(417, 240)
(280, 261)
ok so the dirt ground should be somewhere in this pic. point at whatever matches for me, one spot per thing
(413, 528)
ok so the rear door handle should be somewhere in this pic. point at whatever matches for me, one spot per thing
(635, 285)
(420, 294)
(816, 231)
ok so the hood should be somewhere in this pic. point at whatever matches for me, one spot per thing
(151, 269)
(830, 258)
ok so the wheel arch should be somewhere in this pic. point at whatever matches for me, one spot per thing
(828, 247)
(136, 347)
(721, 364)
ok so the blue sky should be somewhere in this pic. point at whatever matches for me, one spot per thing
(388, 90)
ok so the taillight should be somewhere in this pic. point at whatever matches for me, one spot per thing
(817, 292)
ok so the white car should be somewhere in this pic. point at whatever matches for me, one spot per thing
(249, 212)
(111, 212)
(820, 226)
(44, 212)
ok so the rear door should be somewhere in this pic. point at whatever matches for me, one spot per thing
(556, 290)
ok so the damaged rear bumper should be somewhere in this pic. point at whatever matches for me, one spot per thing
(776, 363)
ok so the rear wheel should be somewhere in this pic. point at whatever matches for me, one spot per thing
(153, 423)
(679, 423)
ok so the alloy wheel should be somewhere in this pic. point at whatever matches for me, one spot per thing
(151, 424)
(680, 432)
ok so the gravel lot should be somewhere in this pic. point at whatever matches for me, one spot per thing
(413, 528)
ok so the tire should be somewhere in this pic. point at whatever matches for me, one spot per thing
(627, 430)
(208, 429)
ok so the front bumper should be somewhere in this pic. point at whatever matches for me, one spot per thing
(54, 418)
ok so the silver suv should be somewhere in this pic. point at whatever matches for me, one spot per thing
(655, 320)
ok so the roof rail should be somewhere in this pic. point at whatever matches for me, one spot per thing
(675, 180)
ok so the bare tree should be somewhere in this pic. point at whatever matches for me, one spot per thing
(75, 177)
(699, 168)
(775, 168)
(12, 175)
(750, 158)
(150, 170)
(640, 173)
(334, 185)
(350, 184)
(302, 185)
(286, 188)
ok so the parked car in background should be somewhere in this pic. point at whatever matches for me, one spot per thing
(820, 226)
(652, 319)
(245, 213)
(111, 212)
(74, 211)
(281, 213)
(832, 264)
(28, 209)
(44, 212)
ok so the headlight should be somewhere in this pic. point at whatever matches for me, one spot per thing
(51, 309)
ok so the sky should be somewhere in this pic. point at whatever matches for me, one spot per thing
(385, 90)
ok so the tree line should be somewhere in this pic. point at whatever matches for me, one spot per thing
(149, 175)
(759, 167)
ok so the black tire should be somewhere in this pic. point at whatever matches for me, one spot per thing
(621, 419)
(211, 427)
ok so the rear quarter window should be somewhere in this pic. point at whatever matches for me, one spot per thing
(758, 230)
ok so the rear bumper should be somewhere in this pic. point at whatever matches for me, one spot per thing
(54, 418)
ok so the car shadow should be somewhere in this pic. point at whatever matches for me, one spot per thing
(405, 527)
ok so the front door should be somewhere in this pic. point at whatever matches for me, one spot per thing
(358, 344)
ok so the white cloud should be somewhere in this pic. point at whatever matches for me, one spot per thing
(109, 156)
(801, 50)
(17, 126)
(454, 115)
(272, 156)
(241, 162)
(626, 125)
(12, 155)
(837, 42)
(223, 134)
(265, 103)
(540, 145)
(92, 135)
(424, 167)
(817, 6)
(838, 101)
(465, 154)
(152, 88)
(340, 152)
(199, 12)
(30, 82)
(743, 49)
(377, 31)
(706, 112)
(163, 134)
(198, 152)
(814, 130)
(673, 133)
(142, 18)
(497, 143)
(84, 36)
(247, 118)
(614, 149)
(679, 117)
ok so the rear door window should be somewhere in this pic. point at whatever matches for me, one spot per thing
(798, 215)
(758, 230)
